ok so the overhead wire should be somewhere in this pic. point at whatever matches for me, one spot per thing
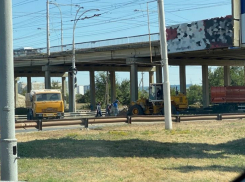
(125, 20)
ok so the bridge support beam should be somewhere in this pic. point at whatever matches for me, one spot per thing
(227, 77)
(205, 86)
(244, 73)
(47, 80)
(28, 84)
(159, 74)
(134, 82)
(71, 91)
(47, 76)
(16, 79)
(92, 91)
(182, 78)
(63, 91)
(113, 85)
(151, 77)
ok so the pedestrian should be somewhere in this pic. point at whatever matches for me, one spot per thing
(98, 109)
(108, 110)
(115, 105)
(30, 114)
(159, 94)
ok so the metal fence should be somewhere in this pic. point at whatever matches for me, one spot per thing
(94, 44)
(79, 113)
(127, 119)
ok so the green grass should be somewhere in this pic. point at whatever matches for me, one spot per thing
(193, 151)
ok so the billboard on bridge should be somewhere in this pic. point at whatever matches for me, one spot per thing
(200, 35)
(242, 20)
(238, 14)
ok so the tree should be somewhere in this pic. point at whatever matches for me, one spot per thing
(194, 94)
(122, 89)
(237, 75)
(143, 94)
(80, 98)
(83, 98)
(172, 91)
(123, 92)
(87, 96)
(100, 87)
(55, 85)
(216, 77)
(67, 98)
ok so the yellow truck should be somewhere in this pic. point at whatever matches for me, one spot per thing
(47, 103)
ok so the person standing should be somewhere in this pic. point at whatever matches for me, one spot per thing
(98, 109)
(159, 94)
(115, 104)
(108, 110)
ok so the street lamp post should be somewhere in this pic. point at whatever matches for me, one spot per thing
(8, 142)
(47, 73)
(61, 24)
(74, 70)
(164, 63)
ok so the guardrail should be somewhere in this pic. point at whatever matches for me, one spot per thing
(93, 44)
(79, 113)
(129, 119)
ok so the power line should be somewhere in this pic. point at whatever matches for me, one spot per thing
(116, 17)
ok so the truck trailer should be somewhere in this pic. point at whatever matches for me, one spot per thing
(228, 98)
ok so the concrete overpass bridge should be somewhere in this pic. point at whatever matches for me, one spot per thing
(212, 42)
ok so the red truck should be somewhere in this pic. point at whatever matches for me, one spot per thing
(229, 98)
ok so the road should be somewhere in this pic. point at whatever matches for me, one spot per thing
(66, 127)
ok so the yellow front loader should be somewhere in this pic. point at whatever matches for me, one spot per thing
(155, 104)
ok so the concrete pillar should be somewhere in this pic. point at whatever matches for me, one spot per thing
(71, 91)
(63, 88)
(113, 85)
(16, 79)
(182, 78)
(244, 74)
(227, 77)
(47, 80)
(159, 74)
(28, 84)
(151, 77)
(134, 82)
(92, 91)
(205, 86)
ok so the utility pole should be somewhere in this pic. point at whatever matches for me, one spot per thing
(47, 72)
(164, 63)
(48, 46)
(73, 61)
(106, 89)
(142, 80)
(9, 168)
(149, 31)
(61, 24)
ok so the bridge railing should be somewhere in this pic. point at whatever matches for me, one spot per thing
(95, 44)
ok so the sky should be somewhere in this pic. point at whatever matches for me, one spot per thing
(122, 18)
